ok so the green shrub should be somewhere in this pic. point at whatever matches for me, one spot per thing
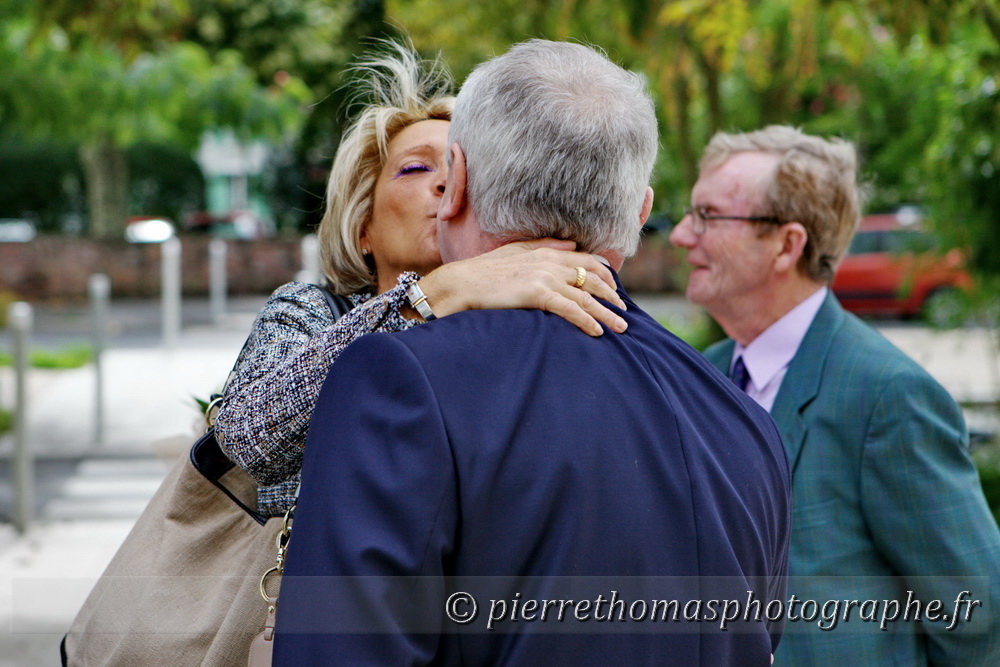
(73, 356)
(6, 421)
(699, 333)
(987, 459)
(44, 183)
(41, 180)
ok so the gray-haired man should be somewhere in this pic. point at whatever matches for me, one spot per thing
(501, 474)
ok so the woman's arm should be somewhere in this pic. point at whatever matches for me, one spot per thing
(268, 402)
(538, 274)
(265, 412)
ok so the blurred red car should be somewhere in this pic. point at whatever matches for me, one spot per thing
(893, 268)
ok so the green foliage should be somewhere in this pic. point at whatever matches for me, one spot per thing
(74, 356)
(6, 421)
(171, 96)
(963, 162)
(914, 83)
(105, 79)
(6, 298)
(131, 27)
(314, 40)
(304, 37)
(987, 460)
(42, 182)
(165, 181)
(699, 333)
(69, 357)
(894, 131)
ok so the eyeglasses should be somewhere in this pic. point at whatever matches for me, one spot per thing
(699, 215)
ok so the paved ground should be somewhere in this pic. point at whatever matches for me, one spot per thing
(88, 494)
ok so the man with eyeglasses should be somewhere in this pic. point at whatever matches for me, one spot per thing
(887, 508)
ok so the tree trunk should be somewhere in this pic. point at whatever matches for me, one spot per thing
(775, 98)
(992, 18)
(685, 138)
(105, 169)
(712, 86)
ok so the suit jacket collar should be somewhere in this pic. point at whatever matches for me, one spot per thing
(621, 291)
(802, 381)
(721, 355)
(805, 373)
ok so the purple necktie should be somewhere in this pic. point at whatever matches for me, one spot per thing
(740, 377)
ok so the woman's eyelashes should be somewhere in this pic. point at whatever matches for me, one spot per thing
(411, 168)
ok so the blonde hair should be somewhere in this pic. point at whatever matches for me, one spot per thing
(399, 89)
(815, 184)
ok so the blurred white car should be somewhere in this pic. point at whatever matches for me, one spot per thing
(149, 229)
(16, 230)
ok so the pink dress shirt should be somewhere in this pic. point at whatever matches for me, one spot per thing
(768, 355)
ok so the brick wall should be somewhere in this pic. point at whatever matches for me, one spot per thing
(58, 267)
(657, 267)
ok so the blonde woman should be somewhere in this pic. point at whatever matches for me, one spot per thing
(379, 246)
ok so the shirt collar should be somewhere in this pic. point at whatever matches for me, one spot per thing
(770, 353)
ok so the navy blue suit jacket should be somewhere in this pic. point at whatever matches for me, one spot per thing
(508, 453)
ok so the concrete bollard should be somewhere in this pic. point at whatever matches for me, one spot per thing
(217, 279)
(99, 289)
(170, 290)
(20, 318)
(310, 272)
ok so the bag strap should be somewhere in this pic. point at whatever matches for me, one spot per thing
(339, 304)
(208, 459)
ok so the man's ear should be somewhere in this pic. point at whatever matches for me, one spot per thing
(647, 207)
(453, 200)
(793, 243)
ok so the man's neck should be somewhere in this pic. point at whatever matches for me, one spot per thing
(613, 259)
(746, 320)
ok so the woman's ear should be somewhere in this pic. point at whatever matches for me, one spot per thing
(363, 244)
(453, 199)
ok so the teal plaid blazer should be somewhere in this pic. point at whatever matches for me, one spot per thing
(886, 506)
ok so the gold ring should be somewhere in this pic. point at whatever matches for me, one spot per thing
(581, 277)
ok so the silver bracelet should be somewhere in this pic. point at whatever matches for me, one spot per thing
(419, 302)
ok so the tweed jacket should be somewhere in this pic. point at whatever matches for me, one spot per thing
(264, 417)
(886, 504)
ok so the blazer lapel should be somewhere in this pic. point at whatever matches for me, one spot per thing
(721, 354)
(802, 381)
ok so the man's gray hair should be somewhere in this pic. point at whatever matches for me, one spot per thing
(815, 183)
(558, 141)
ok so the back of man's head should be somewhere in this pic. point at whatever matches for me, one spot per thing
(559, 142)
